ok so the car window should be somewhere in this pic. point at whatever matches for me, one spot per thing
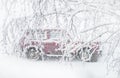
(41, 34)
(30, 34)
(55, 34)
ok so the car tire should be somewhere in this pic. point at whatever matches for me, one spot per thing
(32, 53)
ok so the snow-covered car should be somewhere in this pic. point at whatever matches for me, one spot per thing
(43, 43)
(38, 43)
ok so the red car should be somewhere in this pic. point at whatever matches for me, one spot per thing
(42, 43)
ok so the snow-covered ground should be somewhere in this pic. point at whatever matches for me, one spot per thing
(12, 67)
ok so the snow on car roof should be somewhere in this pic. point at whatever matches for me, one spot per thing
(45, 29)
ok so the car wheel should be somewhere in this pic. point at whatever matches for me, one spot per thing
(85, 56)
(32, 53)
